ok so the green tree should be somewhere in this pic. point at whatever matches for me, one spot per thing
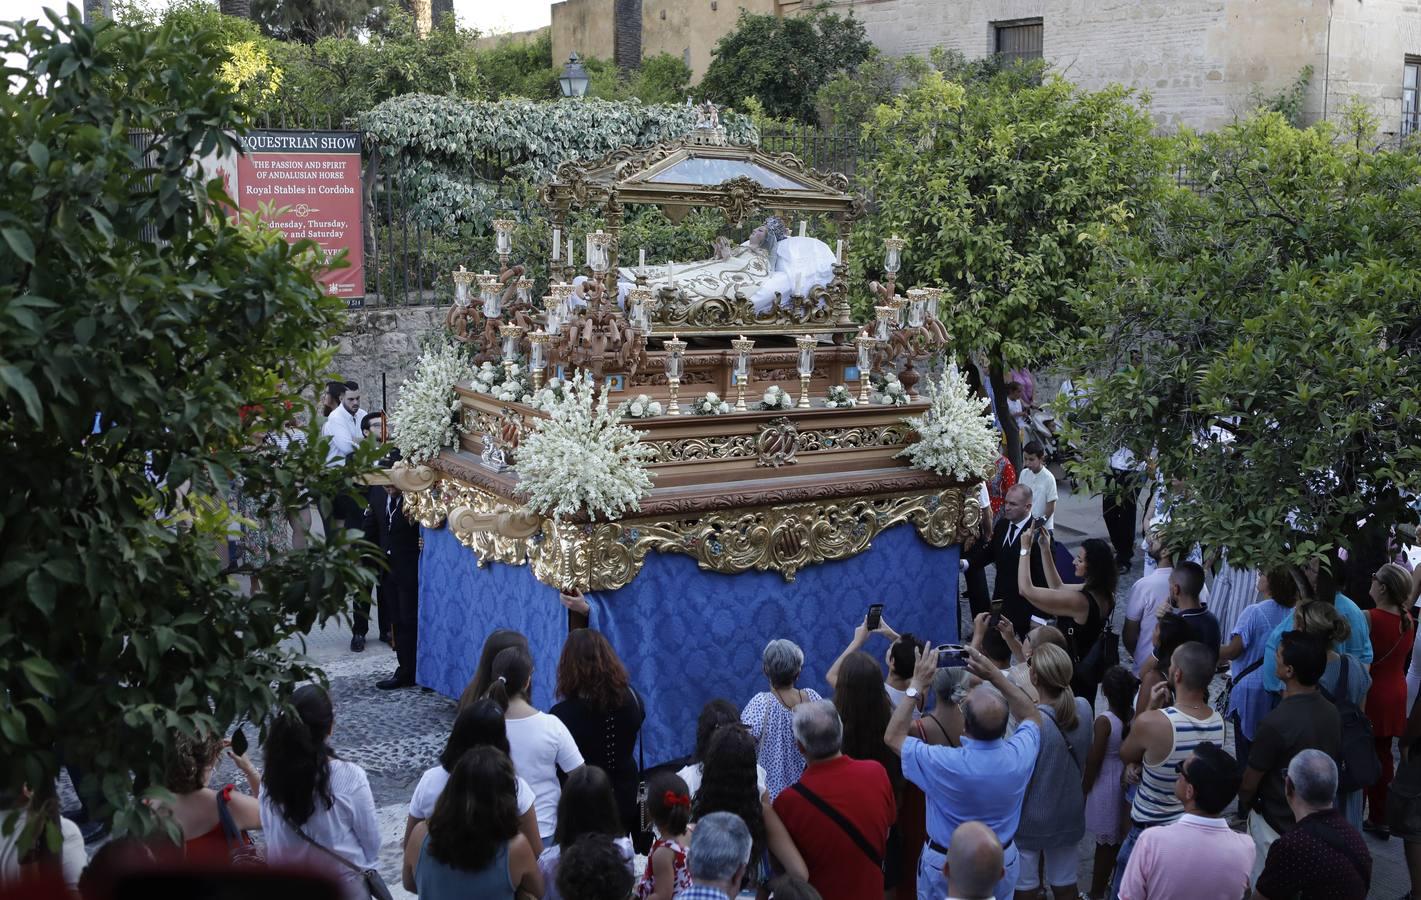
(521, 69)
(782, 61)
(1260, 335)
(662, 78)
(850, 97)
(1005, 192)
(126, 291)
(307, 21)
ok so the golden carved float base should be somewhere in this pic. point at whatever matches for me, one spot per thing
(785, 538)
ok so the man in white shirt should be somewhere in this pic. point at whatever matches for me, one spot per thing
(1147, 597)
(342, 425)
(1036, 476)
(1118, 502)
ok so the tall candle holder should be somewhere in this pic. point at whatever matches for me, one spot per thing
(562, 293)
(864, 343)
(491, 294)
(510, 334)
(538, 356)
(503, 240)
(462, 279)
(887, 317)
(552, 314)
(742, 347)
(639, 301)
(674, 350)
(892, 258)
(805, 343)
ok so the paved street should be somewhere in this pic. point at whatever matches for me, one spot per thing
(396, 735)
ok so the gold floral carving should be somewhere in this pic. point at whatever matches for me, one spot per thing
(742, 195)
(464, 506)
(743, 446)
(786, 539)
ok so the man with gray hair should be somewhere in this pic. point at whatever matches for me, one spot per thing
(984, 780)
(719, 855)
(1323, 855)
(839, 811)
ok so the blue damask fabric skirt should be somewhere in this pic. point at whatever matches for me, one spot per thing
(686, 636)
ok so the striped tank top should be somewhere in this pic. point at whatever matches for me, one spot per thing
(1155, 803)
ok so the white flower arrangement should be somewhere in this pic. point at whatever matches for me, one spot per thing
(640, 407)
(955, 435)
(710, 405)
(777, 398)
(487, 377)
(893, 393)
(583, 458)
(839, 398)
(552, 393)
(493, 380)
(425, 419)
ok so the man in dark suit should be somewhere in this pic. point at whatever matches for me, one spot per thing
(1004, 551)
(398, 538)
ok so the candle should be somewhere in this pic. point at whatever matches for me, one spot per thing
(802, 226)
(557, 243)
(571, 261)
(671, 273)
(641, 258)
(839, 252)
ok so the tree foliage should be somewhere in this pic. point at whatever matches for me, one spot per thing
(126, 291)
(782, 61)
(1272, 316)
(1005, 191)
(307, 21)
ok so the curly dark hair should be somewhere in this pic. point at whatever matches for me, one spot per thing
(590, 670)
(477, 812)
(298, 759)
(670, 819)
(188, 761)
(729, 783)
(594, 868)
(494, 644)
(587, 806)
(714, 714)
(865, 710)
(480, 724)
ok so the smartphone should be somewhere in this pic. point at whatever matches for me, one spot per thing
(996, 616)
(951, 655)
(875, 616)
(239, 741)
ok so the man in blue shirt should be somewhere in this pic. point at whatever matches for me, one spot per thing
(984, 780)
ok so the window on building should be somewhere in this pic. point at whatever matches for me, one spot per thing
(1018, 40)
(1411, 97)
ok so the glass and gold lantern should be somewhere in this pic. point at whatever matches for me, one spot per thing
(538, 356)
(599, 243)
(805, 343)
(742, 347)
(864, 343)
(503, 239)
(893, 255)
(887, 318)
(510, 335)
(491, 293)
(675, 350)
(917, 307)
(462, 279)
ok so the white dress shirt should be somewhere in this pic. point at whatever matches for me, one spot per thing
(348, 828)
(344, 434)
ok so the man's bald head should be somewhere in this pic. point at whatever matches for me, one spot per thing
(974, 861)
(984, 713)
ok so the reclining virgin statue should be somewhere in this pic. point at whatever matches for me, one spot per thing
(767, 266)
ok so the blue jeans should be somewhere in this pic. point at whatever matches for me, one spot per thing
(932, 886)
(1122, 859)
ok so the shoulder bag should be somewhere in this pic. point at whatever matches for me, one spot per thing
(373, 882)
(1358, 766)
(839, 819)
(240, 848)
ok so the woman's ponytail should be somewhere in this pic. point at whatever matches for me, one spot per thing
(1054, 671)
(510, 672)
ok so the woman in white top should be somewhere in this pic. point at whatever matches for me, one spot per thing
(68, 863)
(540, 744)
(478, 725)
(307, 791)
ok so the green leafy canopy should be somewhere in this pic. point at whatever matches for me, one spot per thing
(127, 293)
(1260, 335)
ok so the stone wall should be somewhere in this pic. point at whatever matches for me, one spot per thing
(584, 26)
(383, 341)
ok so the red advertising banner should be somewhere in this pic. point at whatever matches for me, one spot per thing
(312, 181)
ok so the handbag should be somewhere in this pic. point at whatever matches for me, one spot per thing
(1221, 702)
(240, 848)
(1359, 767)
(373, 882)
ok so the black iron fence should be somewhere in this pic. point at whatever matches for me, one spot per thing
(842, 150)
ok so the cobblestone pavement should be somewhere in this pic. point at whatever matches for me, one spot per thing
(396, 735)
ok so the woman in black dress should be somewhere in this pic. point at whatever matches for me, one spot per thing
(1082, 611)
(604, 713)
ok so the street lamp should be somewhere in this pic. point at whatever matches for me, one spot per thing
(574, 78)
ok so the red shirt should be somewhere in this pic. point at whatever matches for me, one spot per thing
(861, 792)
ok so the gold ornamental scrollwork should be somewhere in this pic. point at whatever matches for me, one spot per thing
(465, 507)
(777, 443)
(786, 539)
(744, 446)
(741, 196)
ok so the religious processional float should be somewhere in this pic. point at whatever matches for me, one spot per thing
(711, 450)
